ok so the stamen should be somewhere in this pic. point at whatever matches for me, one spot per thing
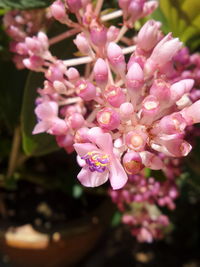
(96, 161)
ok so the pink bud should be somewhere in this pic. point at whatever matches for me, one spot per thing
(43, 39)
(112, 33)
(149, 35)
(64, 140)
(178, 147)
(136, 59)
(151, 161)
(150, 108)
(58, 127)
(59, 87)
(178, 89)
(85, 90)
(116, 57)
(149, 7)
(33, 63)
(165, 50)
(134, 76)
(192, 114)
(74, 5)
(81, 135)
(136, 140)
(126, 110)
(108, 119)
(115, 96)
(82, 43)
(21, 48)
(33, 45)
(76, 121)
(124, 4)
(135, 9)
(73, 75)
(172, 124)
(98, 35)
(132, 163)
(58, 10)
(101, 72)
(160, 89)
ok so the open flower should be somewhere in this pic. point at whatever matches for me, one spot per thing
(100, 161)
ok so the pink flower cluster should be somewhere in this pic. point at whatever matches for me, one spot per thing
(121, 114)
(20, 25)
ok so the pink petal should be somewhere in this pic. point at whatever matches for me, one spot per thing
(47, 110)
(92, 179)
(102, 140)
(118, 176)
(41, 127)
(83, 148)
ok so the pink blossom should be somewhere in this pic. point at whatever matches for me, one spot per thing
(100, 162)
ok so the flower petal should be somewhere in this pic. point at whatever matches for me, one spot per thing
(41, 127)
(102, 140)
(118, 176)
(47, 110)
(92, 179)
(83, 148)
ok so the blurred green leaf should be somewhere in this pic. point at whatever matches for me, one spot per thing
(182, 18)
(39, 144)
(116, 219)
(24, 4)
(11, 93)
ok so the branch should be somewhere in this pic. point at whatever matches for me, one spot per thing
(85, 60)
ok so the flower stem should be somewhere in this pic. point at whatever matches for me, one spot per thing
(63, 36)
(84, 60)
(98, 7)
(112, 15)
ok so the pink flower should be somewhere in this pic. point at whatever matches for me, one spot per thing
(100, 161)
(47, 114)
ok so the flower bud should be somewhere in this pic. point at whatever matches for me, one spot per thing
(126, 110)
(101, 72)
(64, 140)
(98, 35)
(59, 87)
(86, 90)
(112, 33)
(33, 63)
(116, 57)
(150, 108)
(76, 121)
(58, 10)
(178, 89)
(82, 43)
(74, 5)
(151, 161)
(81, 135)
(136, 140)
(172, 124)
(73, 75)
(115, 96)
(108, 119)
(132, 163)
(149, 35)
(134, 77)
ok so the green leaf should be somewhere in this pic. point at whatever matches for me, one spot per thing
(40, 144)
(116, 219)
(181, 17)
(11, 93)
(24, 4)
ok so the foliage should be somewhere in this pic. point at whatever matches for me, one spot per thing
(182, 18)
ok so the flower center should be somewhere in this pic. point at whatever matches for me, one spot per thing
(96, 161)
